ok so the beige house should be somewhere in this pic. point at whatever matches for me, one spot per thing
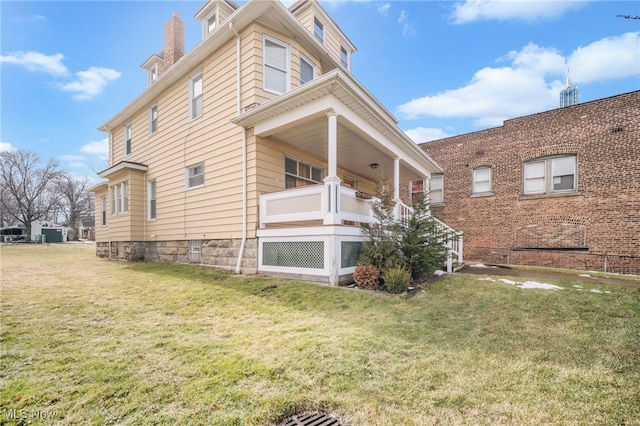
(256, 151)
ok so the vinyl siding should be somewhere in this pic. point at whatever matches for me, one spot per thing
(213, 211)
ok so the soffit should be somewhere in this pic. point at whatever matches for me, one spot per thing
(366, 132)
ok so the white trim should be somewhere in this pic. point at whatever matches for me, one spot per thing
(192, 79)
(314, 68)
(322, 39)
(151, 108)
(129, 140)
(187, 177)
(287, 69)
(474, 180)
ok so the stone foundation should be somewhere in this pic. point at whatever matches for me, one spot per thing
(219, 253)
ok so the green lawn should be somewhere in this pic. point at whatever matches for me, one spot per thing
(89, 341)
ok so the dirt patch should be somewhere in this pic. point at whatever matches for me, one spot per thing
(542, 275)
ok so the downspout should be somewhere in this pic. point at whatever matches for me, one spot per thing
(244, 154)
(146, 213)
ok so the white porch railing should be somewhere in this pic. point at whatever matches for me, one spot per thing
(313, 203)
(453, 239)
(310, 203)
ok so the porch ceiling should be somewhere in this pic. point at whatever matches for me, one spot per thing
(355, 152)
(366, 132)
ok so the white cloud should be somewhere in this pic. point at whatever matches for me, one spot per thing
(39, 62)
(90, 83)
(524, 10)
(594, 62)
(383, 9)
(75, 161)
(426, 134)
(6, 146)
(407, 28)
(98, 148)
(530, 83)
(31, 18)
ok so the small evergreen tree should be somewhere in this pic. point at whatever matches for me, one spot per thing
(382, 248)
(422, 241)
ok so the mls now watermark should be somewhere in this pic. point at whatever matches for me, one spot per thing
(25, 414)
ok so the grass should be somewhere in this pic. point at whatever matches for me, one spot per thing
(89, 341)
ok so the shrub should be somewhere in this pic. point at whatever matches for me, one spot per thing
(366, 277)
(382, 249)
(397, 279)
(423, 242)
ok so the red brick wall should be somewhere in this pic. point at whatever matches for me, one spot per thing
(597, 225)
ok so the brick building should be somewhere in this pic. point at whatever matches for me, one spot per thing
(560, 188)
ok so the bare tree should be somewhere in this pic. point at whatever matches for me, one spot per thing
(75, 202)
(26, 188)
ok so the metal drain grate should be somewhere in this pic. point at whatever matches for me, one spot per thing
(311, 419)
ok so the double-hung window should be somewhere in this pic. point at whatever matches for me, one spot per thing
(436, 189)
(195, 176)
(195, 95)
(344, 57)
(211, 23)
(482, 181)
(297, 173)
(555, 174)
(416, 191)
(127, 139)
(276, 66)
(153, 119)
(151, 191)
(318, 29)
(119, 198)
(307, 70)
(153, 74)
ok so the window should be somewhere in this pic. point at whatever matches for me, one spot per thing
(127, 139)
(344, 57)
(119, 198)
(195, 176)
(153, 119)
(307, 70)
(276, 66)
(151, 190)
(318, 30)
(550, 175)
(416, 190)
(297, 173)
(103, 211)
(211, 23)
(482, 180)
(153, 74)
(436, 189)
(195, 94)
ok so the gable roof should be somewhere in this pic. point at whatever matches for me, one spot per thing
(268, 12)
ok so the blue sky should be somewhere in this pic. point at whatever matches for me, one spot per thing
(443, 68)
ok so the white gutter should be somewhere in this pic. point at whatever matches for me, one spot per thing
(244, 153)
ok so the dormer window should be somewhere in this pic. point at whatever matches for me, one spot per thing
(318, 30)
(210, 24)
(153, 74)
(344, 57)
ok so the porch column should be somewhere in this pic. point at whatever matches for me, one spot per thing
(332, 181)
(396, 188)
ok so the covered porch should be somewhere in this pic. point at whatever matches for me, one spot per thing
(313, 230)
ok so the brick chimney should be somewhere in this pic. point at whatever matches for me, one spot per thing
(173, 40)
